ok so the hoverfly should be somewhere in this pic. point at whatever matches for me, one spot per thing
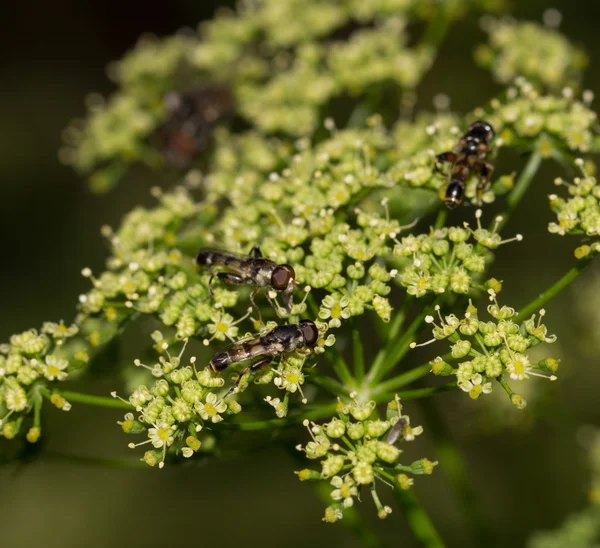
(468, 156)
(190, 120)
(252, 269)
(281, 339)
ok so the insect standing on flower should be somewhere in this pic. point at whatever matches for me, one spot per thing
(253, 269)
(190, 121)
(281, 339)
(468, 156)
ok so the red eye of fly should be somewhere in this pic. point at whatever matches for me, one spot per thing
(309, 332)
(282, 275)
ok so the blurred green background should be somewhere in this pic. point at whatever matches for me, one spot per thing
(524, 478)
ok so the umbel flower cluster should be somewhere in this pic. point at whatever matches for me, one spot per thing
(357, 449)
(350, 202)
(492, 350)
(579, 213)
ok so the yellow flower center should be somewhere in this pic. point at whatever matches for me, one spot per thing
(162, 434)
(53, 370)
(292, 378)
(345, 490)
(422, 283)
(519, 367)
(336, 310)
(61, 329)
(210, 409)
(222, 327)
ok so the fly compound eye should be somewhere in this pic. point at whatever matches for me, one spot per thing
(481, 131)
(309, 332)
(281, 277)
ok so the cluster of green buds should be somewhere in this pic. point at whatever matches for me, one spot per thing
(359, 449)
(579, 214)
(28, 364)
(553, 125)
(148, 275)
(173, 411)
(485, 351)
(542, 55)
(445, 260)
(282, 63)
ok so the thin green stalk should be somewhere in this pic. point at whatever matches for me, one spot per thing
(341, 367)
(405, 378)
(523, 182)
(455, 468)
(328, 410)
(440, 220)
(386, 361)
(552, 291)
(89, 399)
(359, 355)
(331, 385)
(337, 360)
(417, 518)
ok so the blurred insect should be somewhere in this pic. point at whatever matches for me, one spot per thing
(252, 269)
(468, 156)
(281, 339)
(190, 120)
(395, 431)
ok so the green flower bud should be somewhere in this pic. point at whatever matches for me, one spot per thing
(423, 467)
(387, 453)
(363, 473)
(356, 430)
(336, 428)
(376, 428)
(308, 475)
(332, 465)
(460, 349)
(441, 368)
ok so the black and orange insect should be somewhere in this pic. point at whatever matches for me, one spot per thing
(278, 341)
(468, 157)
(252, 269)
(190, 120)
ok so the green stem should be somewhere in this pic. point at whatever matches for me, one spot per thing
(440, 220)
(329, 384)
(552, 291)
(386, 361)
(359, 356)
(523, 182)
(403, 379)
(417, 518)
(456, 469)
(89, 399)
(328, 410)
(337, 360)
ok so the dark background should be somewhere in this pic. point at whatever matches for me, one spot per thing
(52, 55)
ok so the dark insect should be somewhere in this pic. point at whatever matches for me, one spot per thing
(190, 120)
(468, 156)
(253, 269)
(281, 339)
(396, 431)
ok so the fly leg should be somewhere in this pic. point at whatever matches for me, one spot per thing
(252, 297)
(225, 277)
(251, 368)
(444, 158)
(485, 172)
